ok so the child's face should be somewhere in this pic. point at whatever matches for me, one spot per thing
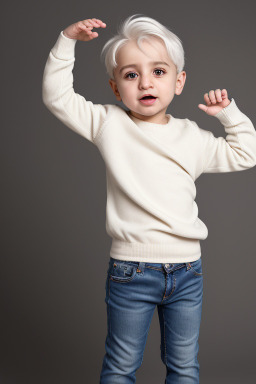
(142, 76)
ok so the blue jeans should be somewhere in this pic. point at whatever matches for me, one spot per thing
(133, 289)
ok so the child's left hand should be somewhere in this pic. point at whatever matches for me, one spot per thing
(216, 101)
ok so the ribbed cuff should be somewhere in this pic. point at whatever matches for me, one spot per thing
(64, 47)
(229, 115)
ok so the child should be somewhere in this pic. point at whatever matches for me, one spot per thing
(152, 161)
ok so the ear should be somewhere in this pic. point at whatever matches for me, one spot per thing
(180, 82)
(115, 89)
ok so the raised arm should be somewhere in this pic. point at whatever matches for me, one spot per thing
(77, 113)
(237, 151)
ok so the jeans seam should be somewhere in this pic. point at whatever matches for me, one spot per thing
(174, 286)
(144, 347)
(110, 331)
(165, 282)
(165, 353)
(150, 267)
(195, 273)
(122, 281)
(127, 280)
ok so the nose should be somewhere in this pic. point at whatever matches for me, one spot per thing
(145, 82)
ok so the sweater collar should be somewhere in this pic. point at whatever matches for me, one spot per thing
(151, 126)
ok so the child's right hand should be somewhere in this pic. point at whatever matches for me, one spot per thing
(82, 29)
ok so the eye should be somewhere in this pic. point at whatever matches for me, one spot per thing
(128, 75)
(160, 70)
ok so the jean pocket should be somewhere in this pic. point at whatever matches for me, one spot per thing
(196, 267)
(122, 272)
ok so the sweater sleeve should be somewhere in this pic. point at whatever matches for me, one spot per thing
(77, 113)
(237, 151)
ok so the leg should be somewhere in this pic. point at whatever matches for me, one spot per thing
(129, 313)
(180, 317)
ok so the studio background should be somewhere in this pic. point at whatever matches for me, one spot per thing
(54, 246)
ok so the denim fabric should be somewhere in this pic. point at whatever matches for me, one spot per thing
(133, 289)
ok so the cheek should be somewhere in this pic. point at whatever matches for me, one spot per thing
(127, 90)
(170, 86)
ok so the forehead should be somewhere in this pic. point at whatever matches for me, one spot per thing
(153, 49)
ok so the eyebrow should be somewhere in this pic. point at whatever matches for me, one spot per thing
(152, 62)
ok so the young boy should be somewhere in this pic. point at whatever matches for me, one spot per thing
(152, 161)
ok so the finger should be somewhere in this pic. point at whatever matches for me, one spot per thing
(218, 95)
(96, 23)
(92, 35)
(87, 26)
(203, 107)
(207, 99)
(87, 23)
(224, 94)
(100, 22)
(212, 96)
(90, 23)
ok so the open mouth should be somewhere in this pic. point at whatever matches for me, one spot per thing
(148, 97)
(148, 100)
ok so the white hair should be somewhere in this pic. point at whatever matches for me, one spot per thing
(138, 28)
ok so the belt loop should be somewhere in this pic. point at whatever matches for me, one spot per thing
(188, 266)
(141, 267)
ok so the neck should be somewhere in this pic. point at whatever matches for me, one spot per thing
(148, 119)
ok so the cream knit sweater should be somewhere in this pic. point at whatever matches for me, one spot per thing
(151, 213)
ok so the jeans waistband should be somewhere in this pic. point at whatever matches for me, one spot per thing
(168, 267)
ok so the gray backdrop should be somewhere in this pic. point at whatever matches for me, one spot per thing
(55, 249)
